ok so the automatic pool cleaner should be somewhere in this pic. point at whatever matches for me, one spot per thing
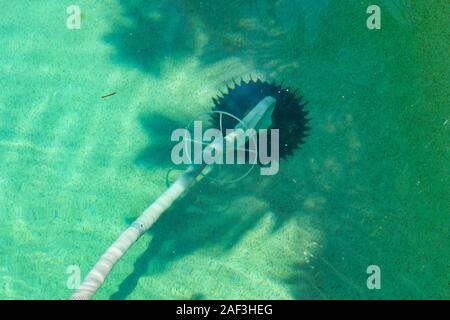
(251, 105)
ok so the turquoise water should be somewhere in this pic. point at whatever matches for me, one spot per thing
(370, 186)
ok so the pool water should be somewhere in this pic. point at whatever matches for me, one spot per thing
(369, 187)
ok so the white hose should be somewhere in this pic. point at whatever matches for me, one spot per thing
(103, 267)
(97, 275)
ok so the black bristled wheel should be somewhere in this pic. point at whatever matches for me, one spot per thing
(289, 115)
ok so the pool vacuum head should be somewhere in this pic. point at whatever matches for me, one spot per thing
(289, 115)
(260, 105)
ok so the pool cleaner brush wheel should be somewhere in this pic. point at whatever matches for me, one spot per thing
(254, 102)
(289, 116)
